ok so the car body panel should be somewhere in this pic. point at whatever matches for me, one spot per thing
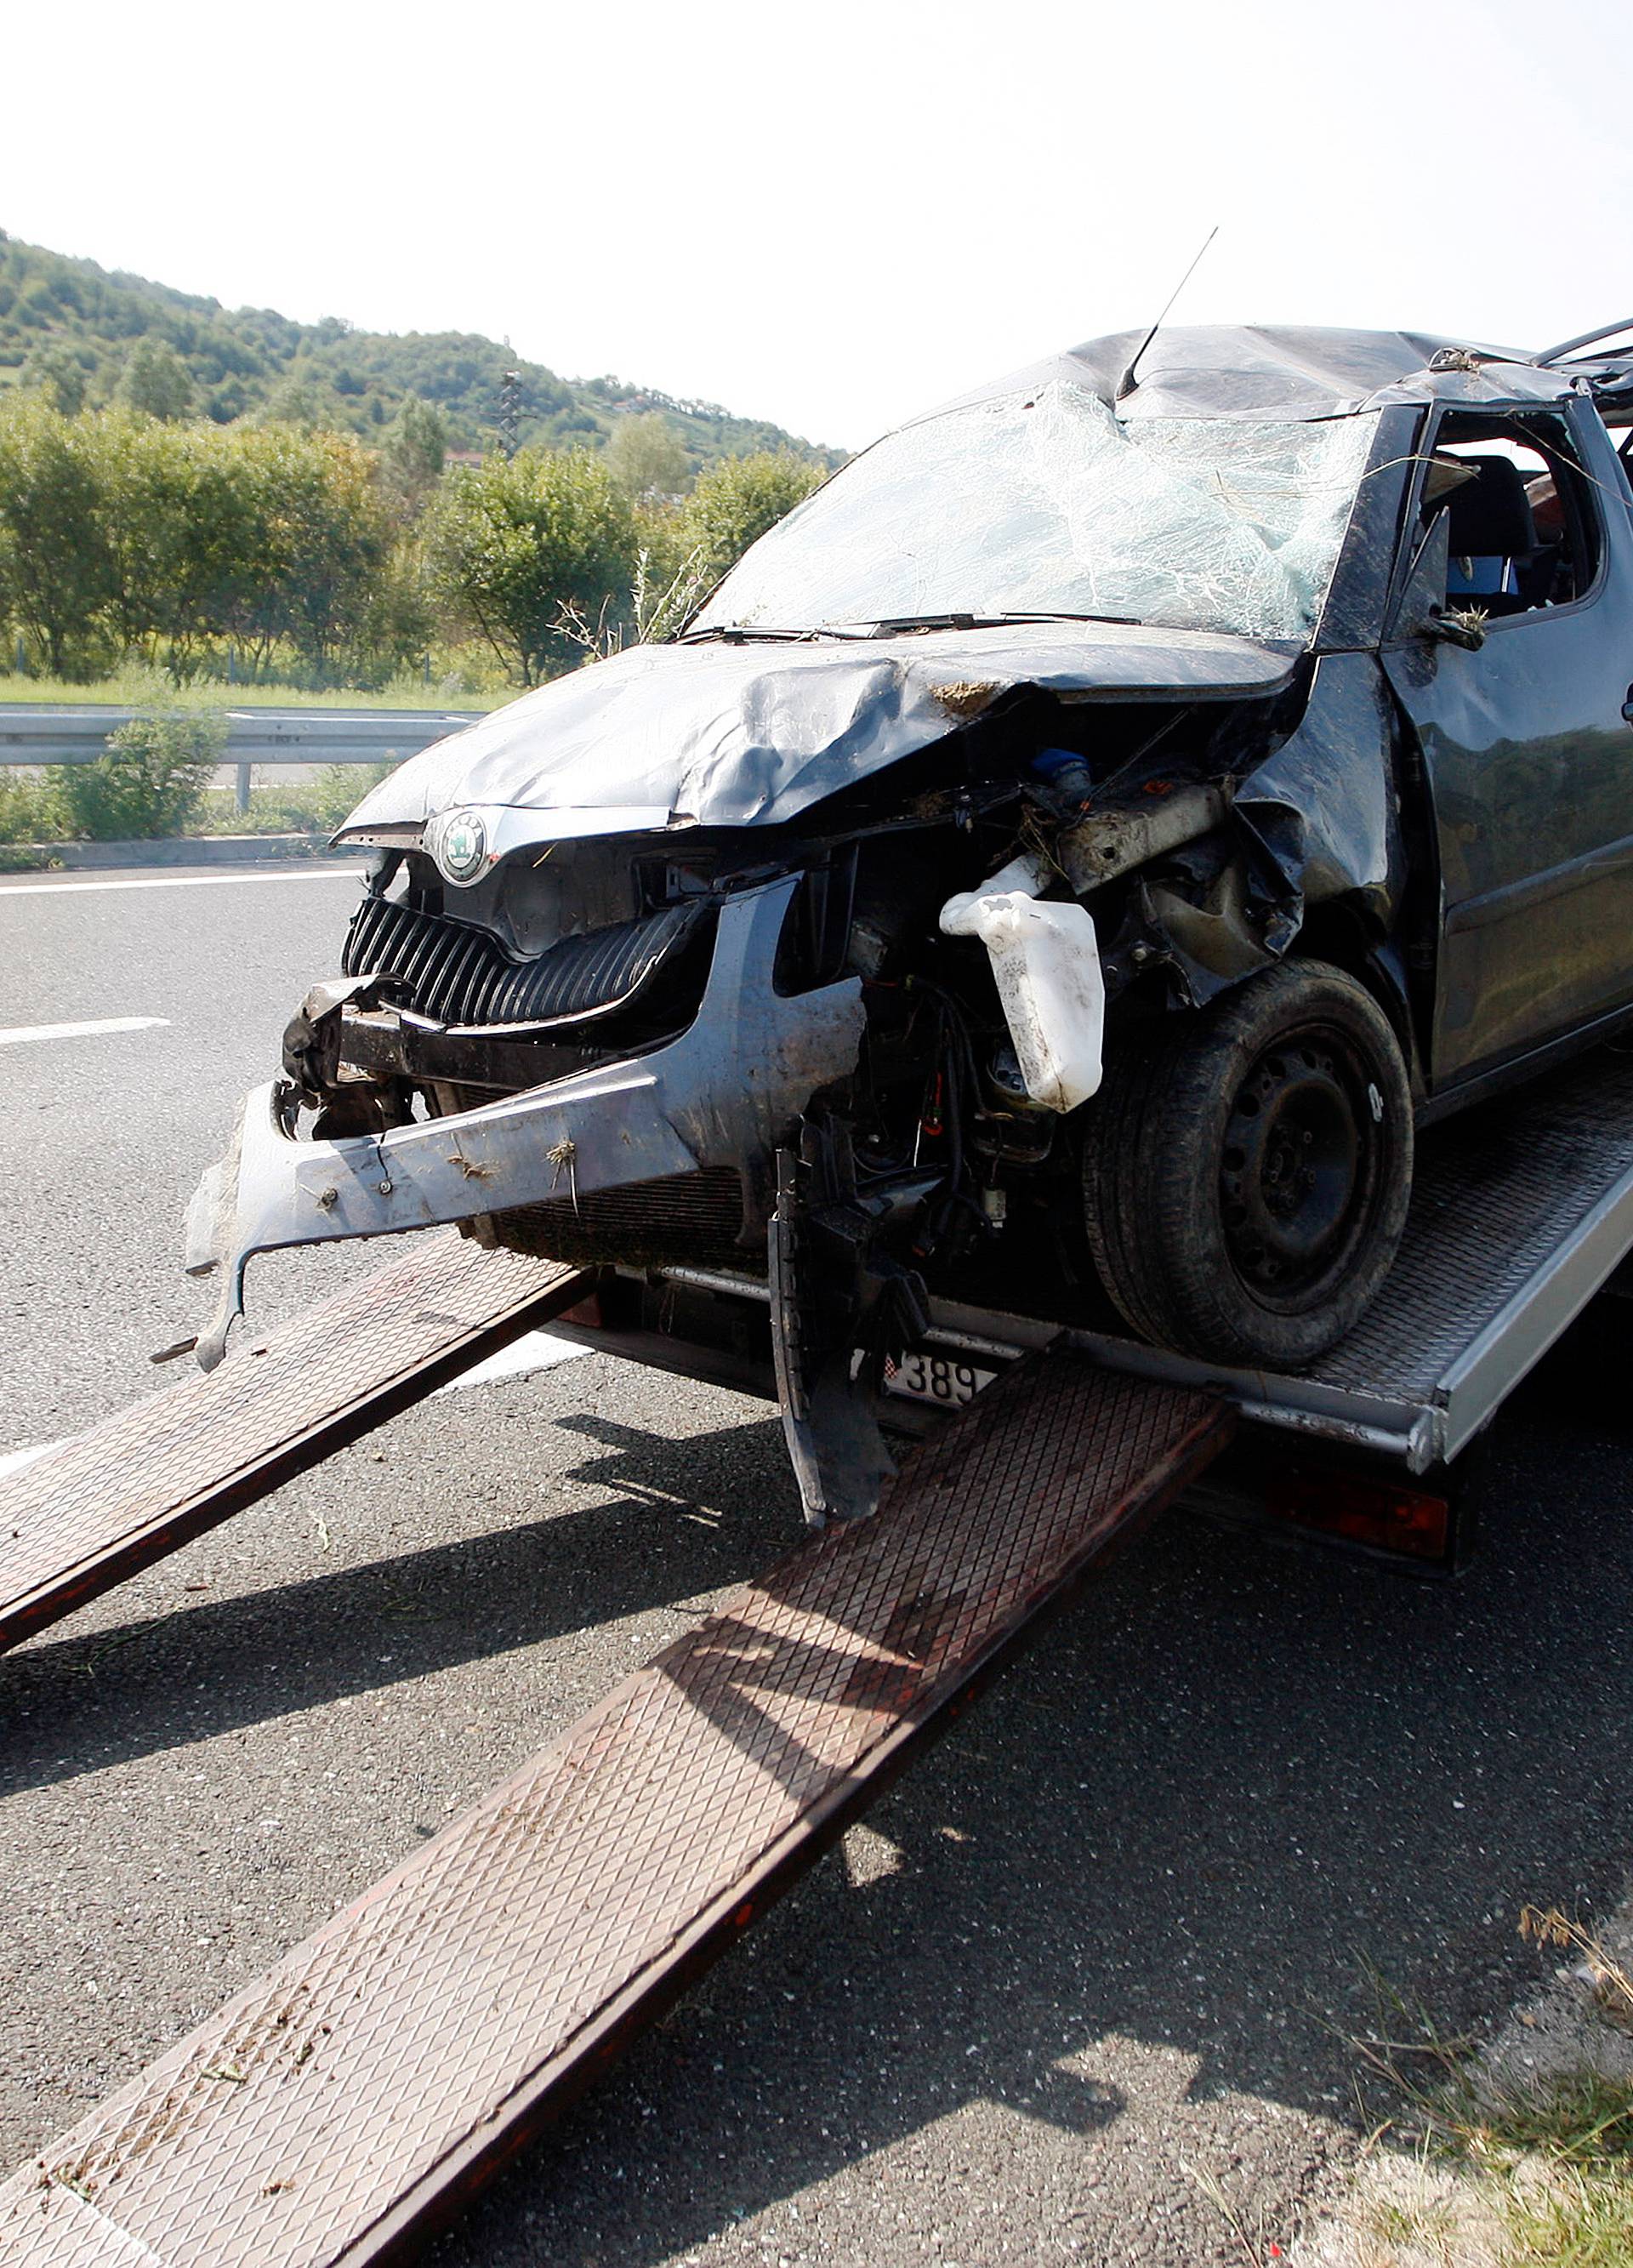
(1327, 800)
(1282, 371)
(723, 1092)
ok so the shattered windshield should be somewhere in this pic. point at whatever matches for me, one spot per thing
(1048, 503)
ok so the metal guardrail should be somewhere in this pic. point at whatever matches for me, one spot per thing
(43, 735)
(264, 736)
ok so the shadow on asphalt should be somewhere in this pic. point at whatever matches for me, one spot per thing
(1221, 1796)
(1232, 1792)
(667, 1530)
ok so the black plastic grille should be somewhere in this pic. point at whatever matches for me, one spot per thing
(463, 976)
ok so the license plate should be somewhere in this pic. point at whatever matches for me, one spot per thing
(940, 1379)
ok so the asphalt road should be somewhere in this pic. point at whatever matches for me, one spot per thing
(1107, 1946)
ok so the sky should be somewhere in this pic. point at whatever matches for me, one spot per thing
(837, 217)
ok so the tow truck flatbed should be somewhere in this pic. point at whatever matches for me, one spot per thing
(93, 1510)
(1522, 1210)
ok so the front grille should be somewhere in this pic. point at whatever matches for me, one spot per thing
(459, 974)
(692, 1218)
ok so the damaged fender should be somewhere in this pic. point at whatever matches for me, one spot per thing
(1239, 863)
(1326, 803)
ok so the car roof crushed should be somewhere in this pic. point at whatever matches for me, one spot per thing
(1294, 371)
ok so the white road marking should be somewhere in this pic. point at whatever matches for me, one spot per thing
(536, 1350)
(177, 882)
(79, 1031)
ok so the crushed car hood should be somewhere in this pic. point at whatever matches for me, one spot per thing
(729, 735)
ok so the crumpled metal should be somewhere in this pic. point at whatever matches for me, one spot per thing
(725, 735)
(1285, 369)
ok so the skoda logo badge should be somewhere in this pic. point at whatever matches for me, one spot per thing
(461, 845)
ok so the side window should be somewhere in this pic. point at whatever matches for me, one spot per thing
(1524, 526)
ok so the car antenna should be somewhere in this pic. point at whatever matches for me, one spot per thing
(1126, 383)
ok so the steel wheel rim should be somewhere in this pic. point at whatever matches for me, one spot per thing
(1301, 1166)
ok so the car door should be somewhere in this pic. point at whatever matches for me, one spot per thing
(1529, 746)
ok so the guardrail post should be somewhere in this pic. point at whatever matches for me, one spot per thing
(241, 790)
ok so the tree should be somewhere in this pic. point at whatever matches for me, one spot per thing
(734, 503)
(647, 456)
(138, 464)
(186, 531)
(512, 546)
(412, 454)
(155, 380)
(321, 541)
(302, 399)
(55, 571)
(59, 377)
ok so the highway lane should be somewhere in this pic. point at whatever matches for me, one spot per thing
(1110, 1938)
(106, 1133)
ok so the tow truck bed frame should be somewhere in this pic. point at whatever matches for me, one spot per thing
(1522, 1211)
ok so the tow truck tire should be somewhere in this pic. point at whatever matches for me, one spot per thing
(1247, 1170)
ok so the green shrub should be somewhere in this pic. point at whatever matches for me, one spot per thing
(337, 790)
(28, 808)
(736, 500)
(151, 782)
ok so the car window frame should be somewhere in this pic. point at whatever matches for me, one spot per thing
(1364, 595)
(1588, 484)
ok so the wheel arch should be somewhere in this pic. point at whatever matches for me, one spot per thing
(1342, 932)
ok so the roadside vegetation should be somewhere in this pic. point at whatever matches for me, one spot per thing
(175, 541)
(238, 499)
(448, 687)
(129, 803)
(1521, 2155)
(267, 555)
(322, 800)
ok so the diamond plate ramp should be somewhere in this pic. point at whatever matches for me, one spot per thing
(102, 1506)
(1495, 1193)
(393, 2061)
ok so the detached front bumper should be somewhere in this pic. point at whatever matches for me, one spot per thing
(724, 1093)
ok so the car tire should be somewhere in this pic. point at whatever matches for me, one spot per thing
(1247, 1170)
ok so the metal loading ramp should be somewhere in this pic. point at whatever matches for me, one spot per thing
(102, 1506)
(391, 2063)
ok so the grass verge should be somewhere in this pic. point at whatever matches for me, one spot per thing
(316, 804)
(143, 689)
(1543, 2166)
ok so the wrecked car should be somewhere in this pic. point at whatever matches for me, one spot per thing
(1075, 849)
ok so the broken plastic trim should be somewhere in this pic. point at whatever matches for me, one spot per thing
(720, 1094)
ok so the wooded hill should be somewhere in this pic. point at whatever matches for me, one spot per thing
(75, 326)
